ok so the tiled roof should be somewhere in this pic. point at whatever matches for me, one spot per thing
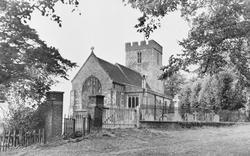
(133, 77)
(121, 74)
(113, 71)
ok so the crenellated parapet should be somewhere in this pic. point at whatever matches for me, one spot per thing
(146, 58)
(151, 44)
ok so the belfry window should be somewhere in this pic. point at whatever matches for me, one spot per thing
(138, 57)
(158, 59)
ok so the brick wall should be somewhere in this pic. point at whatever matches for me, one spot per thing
(52, 112)
(57, 118)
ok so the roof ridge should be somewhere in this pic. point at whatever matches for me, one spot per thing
(105, 61)
(99, 59)
(83, 65)
(129, 68)
(118, 65)
(120, 80)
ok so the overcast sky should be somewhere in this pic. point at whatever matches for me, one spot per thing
(106, 25)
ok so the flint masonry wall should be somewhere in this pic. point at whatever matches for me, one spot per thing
(149, 65)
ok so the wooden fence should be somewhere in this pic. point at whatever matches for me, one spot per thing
(76, 126)
(14, 138)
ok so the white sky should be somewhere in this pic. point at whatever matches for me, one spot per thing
(106, 25)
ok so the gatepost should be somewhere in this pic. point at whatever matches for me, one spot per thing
(138, 116)
(95, 110)
(52, 111)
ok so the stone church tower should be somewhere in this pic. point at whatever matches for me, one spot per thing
(146, 58)
(131, 86)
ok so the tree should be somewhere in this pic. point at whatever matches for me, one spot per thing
(218, 38)
(173, 84)
(195, 91)
(24, 118)
(208, 98)
(231, 91)
(27, 64)
(222, 91)
(153, 11)
(184, 98)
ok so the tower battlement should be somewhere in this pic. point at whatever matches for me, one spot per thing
(146, 58)
(133, 46)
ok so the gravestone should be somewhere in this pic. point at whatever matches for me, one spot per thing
(190, 117)
(216, 118)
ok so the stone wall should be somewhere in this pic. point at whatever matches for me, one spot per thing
(118, 96)
(91, 68)
(149, 65)
(180, 124)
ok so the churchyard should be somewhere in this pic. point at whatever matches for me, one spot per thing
(147, 97)
(233, 140)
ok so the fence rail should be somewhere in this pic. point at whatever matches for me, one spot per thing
(155, 113)
(119, 118)
(14, 138)
(161, 113)
(76, 126)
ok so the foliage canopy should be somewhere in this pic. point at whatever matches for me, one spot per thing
(27, 64)
(174, 84)
(218, 39)
(223, 91)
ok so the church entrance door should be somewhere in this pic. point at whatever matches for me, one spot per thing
(91, 86)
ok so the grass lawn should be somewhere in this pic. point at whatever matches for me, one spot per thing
(234, 140)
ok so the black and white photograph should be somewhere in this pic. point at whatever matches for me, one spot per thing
(124, 78)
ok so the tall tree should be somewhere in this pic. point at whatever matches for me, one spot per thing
(184, 98)
(153, 11)
(222, 91)
(174, 84)
(195, 91)
(27, 64)
(218, 38)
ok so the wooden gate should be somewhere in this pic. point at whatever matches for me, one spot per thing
(119, 118)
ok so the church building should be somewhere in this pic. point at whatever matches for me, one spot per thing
(134, 85)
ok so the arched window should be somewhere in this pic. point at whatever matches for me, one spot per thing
(91, 86)
(158, 59)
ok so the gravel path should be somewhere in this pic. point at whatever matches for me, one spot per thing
(234, 140)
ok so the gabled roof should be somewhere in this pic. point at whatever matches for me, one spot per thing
(113, 71)
(133, 77)
(121, 74)
(118, 73)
